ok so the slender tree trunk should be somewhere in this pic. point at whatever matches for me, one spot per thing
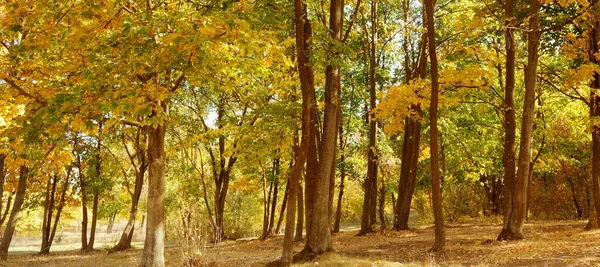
(338, 212)
(84, 211)
(2, 179)
(127, 235)
(153, 254)
(49, 229)
(304, 73)
(382, 193)
(283, 207)
(510, 126)
(276, 171)
(300, 217)
(90, 245)
(440, 236)
(48, 207)
(8, 201)
(14, 214)
(370, 198)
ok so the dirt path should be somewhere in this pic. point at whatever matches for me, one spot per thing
(556, 243)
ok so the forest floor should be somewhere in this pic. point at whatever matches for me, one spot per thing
(548, 243)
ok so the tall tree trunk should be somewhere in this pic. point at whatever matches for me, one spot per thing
(153, 254)
(304, 73)
(370, 198)
(514, 230)
(14, 214)
(440, 237)
(594, 49)
(319, 235)
(510, 126)
(412, 137)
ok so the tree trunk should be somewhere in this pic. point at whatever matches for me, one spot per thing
(90, 245)
(300, 218)
(319, 235)
(276, 170)
(283, 207)
(514, 230)
(14, 214)
(594, 114)
(304, 73)
(440, 238)
(2, 179)
(508, 156)
(382, 193)
(153, 254)
(370, 199)
(127, 235)
(338, 211)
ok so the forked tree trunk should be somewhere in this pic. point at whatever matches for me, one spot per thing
(514, 229)
(154, 244)
(412, 136)
(127, 235)
(14, 214)
(319, 233)
(440, 236)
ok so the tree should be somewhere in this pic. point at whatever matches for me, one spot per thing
(440, 236)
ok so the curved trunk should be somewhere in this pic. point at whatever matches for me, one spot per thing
(436, 190)
(14, 214)
(127, 235)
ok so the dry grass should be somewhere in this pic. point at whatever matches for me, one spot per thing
(556, 243)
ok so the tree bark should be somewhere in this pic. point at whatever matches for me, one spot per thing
(338, 212)
(319, 235)
(14, 214)
(440, 237)
(508, 156)
(514, 230)
(127, 235)
(594, 114)
(283, 207)
(90, 245)
(153, 254)
(276, 170)
(370, 198)
(84, 211)
(300, 218)
(302, 151)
